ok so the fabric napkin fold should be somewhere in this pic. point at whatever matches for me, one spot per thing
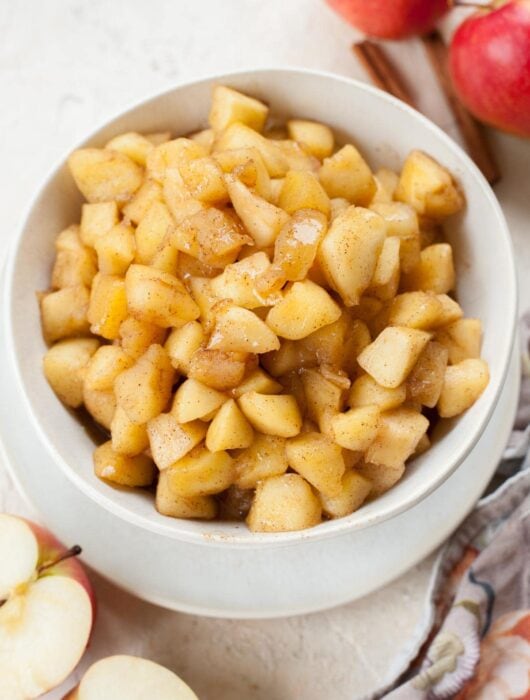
(479, 642)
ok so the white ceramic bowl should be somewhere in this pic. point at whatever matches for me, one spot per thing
(386, 130)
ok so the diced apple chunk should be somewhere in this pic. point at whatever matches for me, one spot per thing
(169, 503)
(128, 438)
(143, 390)
(205, 180)
(428, 187)
(240, 330)
(435, 271)
(133, 145)
(202, 293)
(282, 504)
(365, 391)
(391, 356)
(305, 308)
(101, 405)
(385, 280)
(122, 469)
(108, 306)
(264, 458)
(75, 264)
(324, 399)
(450, 310)
(354, 491)
(212, 236)
(272, 414)
(229, 430)
(116, 250)
(427, 376)
(158, 297)
(182, 344)
(152, 229)
(315, 137)
(295, 250)
(248, 166)
(262, 219)
(170, 441)
(402, 222)
(218, 369)
(415, 310)
(296, 156)
(356, 429)
(205, 138)
(201, 473)
(195, 400)
(238, 281)
(380, 476)
(136, 336)
(338, 205)
(463, 384)
(399, 432)
(349, 252)
(165, 160)
(230, 106)
(64, 366)
(105, 365)
(346, 174)
(462, 339)
(97, 220)
(103, 176)
(239, 135)
(302, 190)
(64, 313)
(258, 381)
(318, 459)
(135, 210)
(386, 181)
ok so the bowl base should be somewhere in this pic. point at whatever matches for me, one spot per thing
(261, 583)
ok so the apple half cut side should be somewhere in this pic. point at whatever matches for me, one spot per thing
(46, 610)
(130, 678)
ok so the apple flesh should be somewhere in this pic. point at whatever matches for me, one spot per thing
(130, 678)
(489, 61)
(391, 19)
(46, 610)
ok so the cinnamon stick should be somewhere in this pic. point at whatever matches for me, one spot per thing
(381, 70)
(472, 132)
(383, 74)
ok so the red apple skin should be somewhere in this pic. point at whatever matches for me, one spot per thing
(391, 19)
(489, 61)
(51, 549)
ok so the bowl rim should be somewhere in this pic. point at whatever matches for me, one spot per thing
(246, 538)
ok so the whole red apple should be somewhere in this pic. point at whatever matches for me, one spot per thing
(391, 19)
(46, 610)
(489, 60)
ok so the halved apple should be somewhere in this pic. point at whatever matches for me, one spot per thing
(47, 609)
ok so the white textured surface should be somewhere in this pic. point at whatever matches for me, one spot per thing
(65, 66)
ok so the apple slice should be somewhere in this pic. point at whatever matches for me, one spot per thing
(46, 610)
(130, 678)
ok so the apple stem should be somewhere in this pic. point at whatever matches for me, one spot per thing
(72, 552)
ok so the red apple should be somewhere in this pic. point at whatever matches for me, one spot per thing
(391, 19)
(489, 60)
(46, 610)
(125, 677)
